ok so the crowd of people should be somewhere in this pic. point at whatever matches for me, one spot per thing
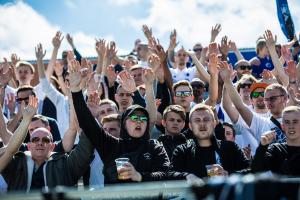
(172, 113)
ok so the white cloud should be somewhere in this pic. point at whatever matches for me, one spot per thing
(123, 2)
(22, 28)
(242, 21)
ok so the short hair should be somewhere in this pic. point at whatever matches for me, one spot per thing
(279, 87)
(261, 43)
(43, 119)
(176, 109)
(26, 88)
(290, 109)
(108, 101)
(111, 118)
(202, 107)
(182, 83)
(231, 126)
(244, 78)
(25, 63)
(46, 130)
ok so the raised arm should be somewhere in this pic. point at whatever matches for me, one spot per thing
(270, 42)
(225, 73)
(100, 49)
(5, 134)
(228, 107)
(56, 41)
(203, 74)
(213, 81)
(20, 134)
(103, 142)
(172, 46)
(148, 77)
(215, 32)
(232, 47)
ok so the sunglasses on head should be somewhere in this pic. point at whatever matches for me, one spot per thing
(244, 85)
(183, 93)
(141, 118)
(257, 94)
(243, 67)
(45, 140)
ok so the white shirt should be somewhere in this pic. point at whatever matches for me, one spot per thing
(185, 74)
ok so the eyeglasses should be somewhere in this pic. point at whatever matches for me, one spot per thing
(243, 67)
(183, 93)
(197, 49)
(273, 98)
(45, 140)
(244, 85)
(22, 99)
(141, 118)
(257, 94)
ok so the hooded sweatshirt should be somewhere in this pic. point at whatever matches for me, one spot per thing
(148, 157)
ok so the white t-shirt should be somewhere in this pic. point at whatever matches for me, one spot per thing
(185, 74)
(260, 125)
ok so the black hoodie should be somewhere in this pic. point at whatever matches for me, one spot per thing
(147, 156)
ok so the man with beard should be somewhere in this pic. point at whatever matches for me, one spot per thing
(243, 67)
(198, 90)
(204, 149)
(275, 97)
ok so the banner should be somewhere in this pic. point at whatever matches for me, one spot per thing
(285, 19)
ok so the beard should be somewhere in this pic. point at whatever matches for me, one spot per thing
(261, 106)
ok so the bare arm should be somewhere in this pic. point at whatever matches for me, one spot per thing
(20, 134)
(215, 32)
(4, 133)
(100, 49)
(203, 74)
(56, 41)
(172, 46)
(228, 107)
(232, 47)
(270, 42)
(213, 81)
(225, 73)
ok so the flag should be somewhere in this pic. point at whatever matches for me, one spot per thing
(285, 19)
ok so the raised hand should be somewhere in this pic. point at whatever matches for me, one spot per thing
(31, 109)
(147, 32)
(225, 71)
(232, 46)
(111, 51)
(267, 76)
(5, 77)
(161, 53)
(70, 40)
(173, 40)
(224, 47)
(10, 102)
(212, 48)
(270, 40)
(93, 84)
(295, 97)
(291, 70)
(215, 31)
(100, 47)
(93, 103)
(127, 81)
(58, 68)
(286, 53)
(39, 53)
(56, 41)
(148, 76)
(74, 76)
(213, 64)
(111, 75)
(154, 62)
(14, 59)
(267, 138)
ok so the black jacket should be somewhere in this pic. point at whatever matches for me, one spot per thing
(147, 156)
(279, 158)
(171, 142)
(192, 158)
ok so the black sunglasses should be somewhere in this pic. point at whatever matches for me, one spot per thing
(45, 140)
(197, 49)
(243, 67)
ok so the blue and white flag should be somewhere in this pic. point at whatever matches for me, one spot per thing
(285, 19)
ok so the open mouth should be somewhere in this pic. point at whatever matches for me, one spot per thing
(138, 128)
(291, 132)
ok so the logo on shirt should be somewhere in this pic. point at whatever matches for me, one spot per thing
(147, 156)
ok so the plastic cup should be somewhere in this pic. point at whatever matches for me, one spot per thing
(210, 170)
(120, 162)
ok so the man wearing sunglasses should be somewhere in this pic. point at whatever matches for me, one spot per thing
(242, 67)
(41, 167)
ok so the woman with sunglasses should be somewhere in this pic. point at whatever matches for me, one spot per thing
(148, 160)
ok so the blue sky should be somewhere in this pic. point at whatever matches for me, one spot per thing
(24, 23)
